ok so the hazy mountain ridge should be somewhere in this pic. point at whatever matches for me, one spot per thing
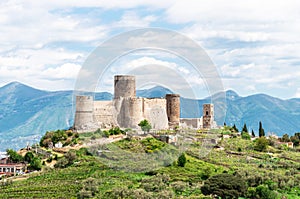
(27, 113)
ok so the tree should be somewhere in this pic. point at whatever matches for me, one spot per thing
(261, 144)
(225, 186)
(14, 156)
(245, 129)
(285, 138)
(252, 133)
(181, 160)
(295, 139)
(36, 163)
(235, 129)
(28, 156)
(261, 131)
(145, 125)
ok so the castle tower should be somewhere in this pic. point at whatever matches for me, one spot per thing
(208, 116)
(124, 86)
(84, 112)
(173, 109)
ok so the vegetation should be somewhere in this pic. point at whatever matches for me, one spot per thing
(261, 144)
(113, 131)
(145, 125)
(66, 137)
(252, 133)
(242, 169)
(181, 160)
(225, 186)
(261, 131)
(14, 156)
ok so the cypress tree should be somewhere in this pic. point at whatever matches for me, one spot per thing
(245, 129)
(252, 133)
(235, 129)
(261, 131)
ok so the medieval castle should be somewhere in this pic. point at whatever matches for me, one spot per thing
(126, 110)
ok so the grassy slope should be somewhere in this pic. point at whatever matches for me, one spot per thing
(239, 156)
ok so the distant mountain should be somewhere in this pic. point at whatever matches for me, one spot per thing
(27, 113)
(157, 91)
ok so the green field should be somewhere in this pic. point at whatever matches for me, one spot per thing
(271, 174)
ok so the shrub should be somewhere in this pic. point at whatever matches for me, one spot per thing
(261, 144)
(61, 163)
(145, 125)
(181, 160)
(28, 156)
(225, 186)
(245, 135)
(36, 164)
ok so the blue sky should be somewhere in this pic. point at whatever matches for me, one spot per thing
(255, 45)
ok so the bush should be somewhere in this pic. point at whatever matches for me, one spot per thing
(61, 163)
(145, 125)
(28, 156)
(36, 164)
(245, 136)
(261, 144)
(225, 186)
(181, 160)
(70, 156)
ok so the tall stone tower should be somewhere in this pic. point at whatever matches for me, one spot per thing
(173, 109)
(129, 109)
(208, 116)
(124, 86)
(84, 112)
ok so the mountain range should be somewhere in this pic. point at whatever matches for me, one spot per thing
(27, 113)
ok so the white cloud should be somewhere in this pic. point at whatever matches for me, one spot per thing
(65, 71)
(131, 19)
(255, 44)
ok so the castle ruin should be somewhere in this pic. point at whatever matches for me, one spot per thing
(126, 110)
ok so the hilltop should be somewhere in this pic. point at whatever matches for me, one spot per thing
(26, 113)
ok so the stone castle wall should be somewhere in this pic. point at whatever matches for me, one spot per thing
(173, 109)
(104, 114)
(126, 110)
(84, 112)
(155, 112)
(208, 116)
(124, 86)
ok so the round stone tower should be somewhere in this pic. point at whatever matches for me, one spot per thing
(124, 86)
(173, 109)
(84, 112)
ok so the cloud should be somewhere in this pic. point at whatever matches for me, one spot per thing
(133, 20)
(65, 71)
(255, 45)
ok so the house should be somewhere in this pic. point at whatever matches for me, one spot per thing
(58, 145)
(4, 160)
(12, 169)
(288, 144)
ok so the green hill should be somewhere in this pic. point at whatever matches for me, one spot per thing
(274, 173)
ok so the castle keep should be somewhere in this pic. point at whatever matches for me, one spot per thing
(126, 110)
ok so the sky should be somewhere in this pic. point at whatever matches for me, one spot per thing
(255, 45)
